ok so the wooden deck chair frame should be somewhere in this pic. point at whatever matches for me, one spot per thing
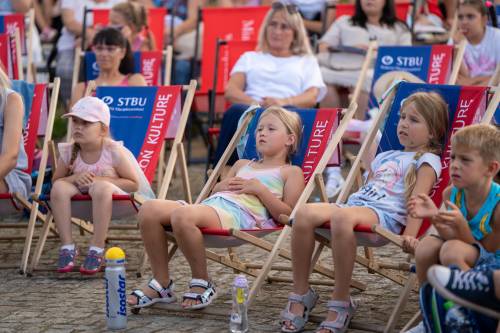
(385, 268)
(177, 156)
(33, 206)
(237, 237)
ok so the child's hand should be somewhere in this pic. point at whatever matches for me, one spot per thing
(409, 244)
(245, 186)
(422, 206)
(84, 179)
(452, 216)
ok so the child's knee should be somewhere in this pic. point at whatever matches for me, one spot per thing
(428, 250)
(342, 222)
(59, 190)
(452, 252)
(101, 189)
(302, 219)
(182, 217)
(148, 213)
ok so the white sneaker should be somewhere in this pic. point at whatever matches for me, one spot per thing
(417, 329)
(334, 181)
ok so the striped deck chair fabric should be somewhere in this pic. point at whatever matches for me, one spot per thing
(10, 56)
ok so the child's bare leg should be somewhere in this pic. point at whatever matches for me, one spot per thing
(344, 248)
(101, 193)
(60, 202)
(186, 223)
(153, 215)
(461, 254)
(309, 217)
(426, 255)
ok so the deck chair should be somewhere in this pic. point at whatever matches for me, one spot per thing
(154, 113)
(467, 105)
(319, 144)
(25, 24)
(240, 24)
(40, 102)
(155, 20)
(155, 66)
(10, 55)
(436, 64)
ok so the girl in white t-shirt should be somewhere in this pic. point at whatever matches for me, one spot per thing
(482, 51)
(394, 176)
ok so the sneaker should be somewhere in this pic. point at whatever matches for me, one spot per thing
(66, 260)
(417, 329)
(473, 288)
(334, 182)
(92, 263)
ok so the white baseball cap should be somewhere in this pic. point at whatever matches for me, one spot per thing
(90, 109)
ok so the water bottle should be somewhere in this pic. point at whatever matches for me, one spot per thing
(239, 316)
(457, 320)
(116, 299)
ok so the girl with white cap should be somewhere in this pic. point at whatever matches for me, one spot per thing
(92, 163)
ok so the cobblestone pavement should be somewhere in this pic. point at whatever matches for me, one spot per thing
(47, 302)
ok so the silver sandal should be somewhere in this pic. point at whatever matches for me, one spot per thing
(308, 300)
(205, 298)
(344, 310)
(165, 295)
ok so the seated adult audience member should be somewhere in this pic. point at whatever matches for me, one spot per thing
(72, 16)
(281, 72)
(131, 19)
(372, 20)
(13, 158)
(115, 61)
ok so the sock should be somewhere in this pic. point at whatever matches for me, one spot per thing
(99, 250)
(69, 247)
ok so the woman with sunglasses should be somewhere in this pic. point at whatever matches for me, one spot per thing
(281, 72)
(115, 61)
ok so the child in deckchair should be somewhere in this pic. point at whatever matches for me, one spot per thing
(395, 175)
(469, 230)
(95, 164)
(251, 196)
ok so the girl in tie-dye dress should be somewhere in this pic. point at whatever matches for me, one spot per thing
(250, 196)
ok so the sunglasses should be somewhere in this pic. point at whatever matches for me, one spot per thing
(290, 8)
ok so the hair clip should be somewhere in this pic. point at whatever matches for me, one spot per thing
(488, 4)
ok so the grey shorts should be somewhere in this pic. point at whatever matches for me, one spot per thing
(485, 257)
(18, 182)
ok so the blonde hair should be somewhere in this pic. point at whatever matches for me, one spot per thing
(134, 13)
(300, 44)
(292, 122)
(481, 137)
(434, 110)
(4, 85)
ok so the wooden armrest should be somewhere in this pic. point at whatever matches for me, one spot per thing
(393, 238)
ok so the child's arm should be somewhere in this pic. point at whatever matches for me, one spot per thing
(426, 177)
(225, 184)
(127, 180)
(294, 185)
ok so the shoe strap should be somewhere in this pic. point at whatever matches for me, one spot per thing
(199, 283)
(156, 286)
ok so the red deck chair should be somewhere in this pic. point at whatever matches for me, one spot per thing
(21, 28)
(156, 19)
(154, 113)
(10, 56)
(467, 105)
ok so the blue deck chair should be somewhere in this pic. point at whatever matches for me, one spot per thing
(467, 105)
(155, 66)
(151, 112)
(322, 131)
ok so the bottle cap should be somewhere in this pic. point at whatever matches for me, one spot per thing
(241, 281)
(114, 253)
(448, 305)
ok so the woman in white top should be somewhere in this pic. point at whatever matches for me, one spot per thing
(372, 20)
(282, 72)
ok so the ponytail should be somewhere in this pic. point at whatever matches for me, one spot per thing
(74, 154)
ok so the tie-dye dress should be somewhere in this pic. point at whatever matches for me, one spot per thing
(246, 211)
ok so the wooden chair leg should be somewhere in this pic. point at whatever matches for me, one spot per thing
(401, 303)
(40, 244)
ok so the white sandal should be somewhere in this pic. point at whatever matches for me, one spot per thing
(165, 295)
(206, 298)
